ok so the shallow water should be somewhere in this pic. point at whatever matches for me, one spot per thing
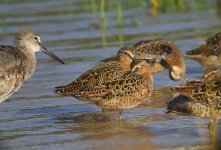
(36, 118)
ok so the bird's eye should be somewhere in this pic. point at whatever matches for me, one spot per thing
(35, 37)
(125, 53)
(138, 66)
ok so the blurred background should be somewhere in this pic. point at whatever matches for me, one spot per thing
(83, 32)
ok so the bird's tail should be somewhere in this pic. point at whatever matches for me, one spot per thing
(60, 90)
(66, 90)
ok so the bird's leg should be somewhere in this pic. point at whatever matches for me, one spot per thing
(121, 119)
(212, 131)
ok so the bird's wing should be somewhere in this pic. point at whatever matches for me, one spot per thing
(153, 47)
(129, 85)
(7, 57)
(213, 92)
(92, 78)
(187, 89)
(207, 91)
(10, 71)
(9, 84)
(102, 71)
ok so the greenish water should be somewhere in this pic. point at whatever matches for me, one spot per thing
(83, 33)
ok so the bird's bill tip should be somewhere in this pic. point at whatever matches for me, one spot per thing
(52, 55)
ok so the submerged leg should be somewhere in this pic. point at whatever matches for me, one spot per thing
(121, 119)
(212, 131)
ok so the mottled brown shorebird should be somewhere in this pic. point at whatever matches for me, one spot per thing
(208, 54)
(200, 97)
(98, 75)
(173, 61)
(18, 62)
(126, 91)
(122, 92)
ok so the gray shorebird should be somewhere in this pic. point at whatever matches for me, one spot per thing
(18, 62)
(173, 60)
(208, 54)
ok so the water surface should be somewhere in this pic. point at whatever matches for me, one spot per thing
(82, 34)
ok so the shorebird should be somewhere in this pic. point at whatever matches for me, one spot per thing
(122, 92)
(200, 97)
(126, 91)
(173, 61)
(208, 54)
(18, 62)
(99, 75)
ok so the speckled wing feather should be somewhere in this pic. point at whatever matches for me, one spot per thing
(211, 75)
(207, 91)
(193, 92)
(93, 77)
(154, 46)
(102, 72)
(10, 71)
(159, 47)
(130, 87)
(150, 48)
(188, 88)
(126, 93)
(213, 90)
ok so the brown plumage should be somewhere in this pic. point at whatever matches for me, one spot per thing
(122, 92)
(126, 91)
(18, 62)
(173, 60)
(208, 54)
(202, 97)
(99, 75)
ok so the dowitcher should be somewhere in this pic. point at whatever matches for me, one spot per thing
(125, 91)
(18, 62)
(99, 75)
(200, 97)
(208, 54)
(173, 61)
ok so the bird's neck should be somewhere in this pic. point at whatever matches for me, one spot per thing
(125, 63)
(28, 60)
(147, 74)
